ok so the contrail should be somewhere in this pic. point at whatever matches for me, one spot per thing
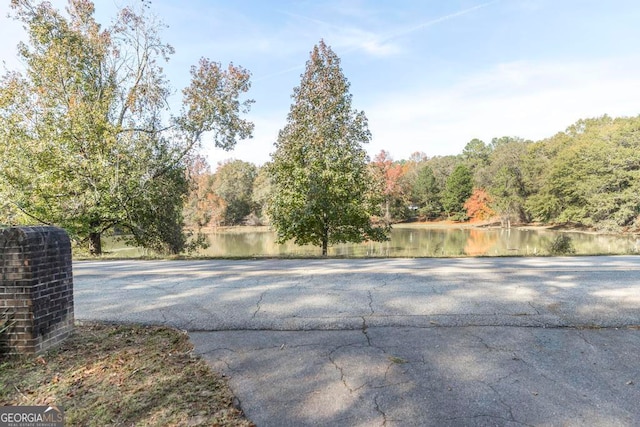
(388, 37)
(437, 20)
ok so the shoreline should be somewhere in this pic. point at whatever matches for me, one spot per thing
(444, 224)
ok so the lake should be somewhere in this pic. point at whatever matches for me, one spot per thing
(407, 240)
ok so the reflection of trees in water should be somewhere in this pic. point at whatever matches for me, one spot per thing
(427, 242)
(417, 242)
(480, 242)
(240, 243)
(455, 240)
(421, 242)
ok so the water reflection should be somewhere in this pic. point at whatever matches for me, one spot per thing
(421, 241)
(407, 240)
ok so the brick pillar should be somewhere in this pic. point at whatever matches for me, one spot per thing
(36, 287)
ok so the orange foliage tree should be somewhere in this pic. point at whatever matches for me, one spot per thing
(478, 205)
(389, 176)
(202, 206)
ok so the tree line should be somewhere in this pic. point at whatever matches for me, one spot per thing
(88, 143)
(586, 175)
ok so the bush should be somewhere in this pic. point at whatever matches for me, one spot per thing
(561, 245)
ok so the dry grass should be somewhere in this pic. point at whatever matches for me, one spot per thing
(115, 375)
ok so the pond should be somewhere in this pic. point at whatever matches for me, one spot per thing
(408, 240)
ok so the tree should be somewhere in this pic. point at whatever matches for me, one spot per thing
(321, 184)
(536, 165)
(507, 179)
(478, 205)
(426, 194)
(476, 156)
(457, 190)
(442, 167)
(262, 191)
(233, 183)
(203, 207)
(595, 179)
(388, 176)
(418, 157)
(86, 142)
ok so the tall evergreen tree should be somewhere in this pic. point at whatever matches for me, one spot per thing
(426, 194)
(321, 188)
(457, 190)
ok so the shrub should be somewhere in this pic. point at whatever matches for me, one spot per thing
(561, 245)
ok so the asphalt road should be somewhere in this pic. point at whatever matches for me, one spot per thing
(472, 341)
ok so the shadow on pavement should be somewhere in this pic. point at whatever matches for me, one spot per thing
(474, 341)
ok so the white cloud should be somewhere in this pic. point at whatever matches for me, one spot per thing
(431, 22)
(525, 99)
(344, 37)
(350, 40)
(347, 37)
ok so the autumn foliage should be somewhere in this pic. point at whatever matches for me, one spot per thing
(478, 205)
(389, 176)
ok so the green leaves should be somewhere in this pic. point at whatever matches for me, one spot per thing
(319, 176)
(457, 190)
(594, 176)
(233, 183)
(211, 103)
(84, 139)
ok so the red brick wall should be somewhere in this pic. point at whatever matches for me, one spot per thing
(36, 287)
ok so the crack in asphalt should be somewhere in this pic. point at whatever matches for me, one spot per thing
(164, 317)
(581, 335)
(534, 307)
(481, 340)
(370, 296)
(476, 417)
(364, 331)
(343, 378)
(380, 411)
(360, 363)
(384, 283)
(258, 307)
(500, 399)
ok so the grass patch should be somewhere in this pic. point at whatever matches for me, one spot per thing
(397, 360)
(122, 375)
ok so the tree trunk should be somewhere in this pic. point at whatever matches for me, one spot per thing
(95, 244)
(387, 213)
(325, 239)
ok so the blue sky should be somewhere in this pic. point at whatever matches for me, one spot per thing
(429, 74)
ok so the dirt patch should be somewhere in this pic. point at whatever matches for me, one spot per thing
(122, 375)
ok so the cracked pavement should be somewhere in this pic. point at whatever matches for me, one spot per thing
(398, 342)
